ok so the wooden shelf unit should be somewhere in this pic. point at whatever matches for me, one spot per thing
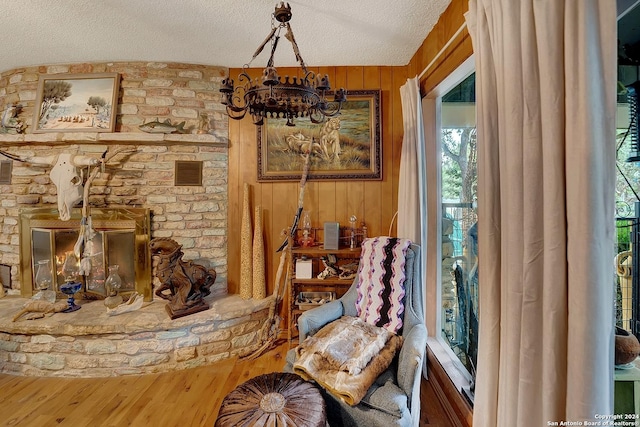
(332, 284)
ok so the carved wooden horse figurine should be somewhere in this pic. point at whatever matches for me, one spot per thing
(187, 283)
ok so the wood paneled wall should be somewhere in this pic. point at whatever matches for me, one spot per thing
(375, 202)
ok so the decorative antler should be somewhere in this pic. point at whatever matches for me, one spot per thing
(12, 156)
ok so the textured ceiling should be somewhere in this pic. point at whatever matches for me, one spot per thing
(212, 32)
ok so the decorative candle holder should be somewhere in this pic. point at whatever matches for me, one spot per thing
(43, 281)
(112, 285)
(71, 271)
(306, 240)
(70, 288)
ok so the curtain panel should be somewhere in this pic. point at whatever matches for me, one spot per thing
(412, 185)
(412, 215)
(545, 82)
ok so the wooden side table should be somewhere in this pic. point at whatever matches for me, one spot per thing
(331, 284)
(627, 389)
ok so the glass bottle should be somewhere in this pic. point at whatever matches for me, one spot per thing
(352, 231)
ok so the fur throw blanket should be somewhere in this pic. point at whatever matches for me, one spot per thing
(346, 356)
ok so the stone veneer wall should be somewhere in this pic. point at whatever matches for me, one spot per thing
(194, 216)
(148, 90)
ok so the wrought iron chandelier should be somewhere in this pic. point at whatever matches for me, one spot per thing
(276, 97)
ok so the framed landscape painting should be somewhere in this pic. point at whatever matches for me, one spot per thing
(346, 146)
(76, 103)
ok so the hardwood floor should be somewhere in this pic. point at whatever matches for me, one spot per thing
(188, 398)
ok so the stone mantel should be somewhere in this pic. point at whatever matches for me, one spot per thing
(123, 138)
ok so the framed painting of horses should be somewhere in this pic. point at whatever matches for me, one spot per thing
(346, 146)
(76, 103)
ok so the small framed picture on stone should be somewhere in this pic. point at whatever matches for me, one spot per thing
(76, 103)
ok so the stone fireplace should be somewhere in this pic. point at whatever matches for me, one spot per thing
(132, 200)
(195, 216)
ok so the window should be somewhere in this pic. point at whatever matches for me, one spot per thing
(449, 115)
(459, 238)
(627, 281)
(627, 196)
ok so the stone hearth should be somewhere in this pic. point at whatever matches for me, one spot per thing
(90, 343)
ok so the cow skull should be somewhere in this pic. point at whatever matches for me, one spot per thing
(67, 178)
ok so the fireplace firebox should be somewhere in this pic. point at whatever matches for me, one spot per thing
(122, 238)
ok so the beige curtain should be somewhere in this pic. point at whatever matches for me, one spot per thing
(545, 82)
(412, 212)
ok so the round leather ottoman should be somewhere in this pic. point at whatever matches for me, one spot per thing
(276, 399)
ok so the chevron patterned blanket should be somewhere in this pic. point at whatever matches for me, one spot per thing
(381, 277)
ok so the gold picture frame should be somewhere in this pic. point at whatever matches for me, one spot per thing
(346, 147)
(76, 103)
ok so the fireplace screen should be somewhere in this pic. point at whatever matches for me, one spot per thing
(122, 239)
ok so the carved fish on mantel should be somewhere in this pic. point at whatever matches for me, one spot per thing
(157, 126)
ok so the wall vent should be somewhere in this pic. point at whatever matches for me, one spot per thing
(188, 173)
(5, 276)
(5, 171)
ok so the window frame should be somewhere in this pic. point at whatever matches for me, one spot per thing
(431, 117)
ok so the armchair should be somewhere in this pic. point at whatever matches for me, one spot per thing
(394, 398)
